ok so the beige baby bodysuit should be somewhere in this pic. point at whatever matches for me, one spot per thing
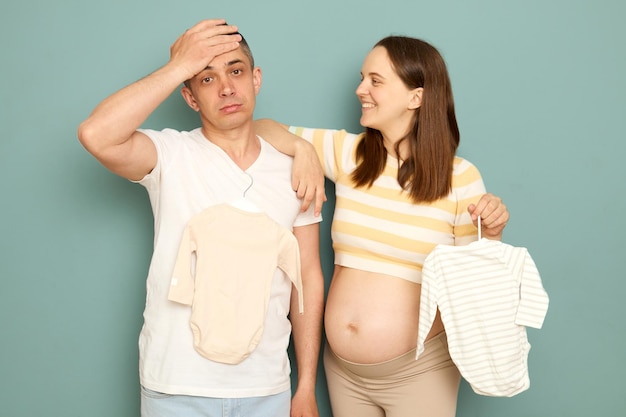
(224, 270)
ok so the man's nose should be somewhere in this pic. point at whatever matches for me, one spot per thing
(227, 88)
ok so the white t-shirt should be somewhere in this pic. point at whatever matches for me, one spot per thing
(191, 175)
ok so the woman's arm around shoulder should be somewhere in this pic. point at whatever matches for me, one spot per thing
(307, 177)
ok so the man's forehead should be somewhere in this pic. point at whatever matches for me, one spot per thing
(228, 59)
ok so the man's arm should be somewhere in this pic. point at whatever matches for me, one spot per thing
(307, 327)
(110, 132)
(307, 177)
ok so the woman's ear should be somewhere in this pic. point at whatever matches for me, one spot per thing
(189, 98)
(415, 100)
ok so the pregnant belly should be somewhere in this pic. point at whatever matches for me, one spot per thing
(370, 317)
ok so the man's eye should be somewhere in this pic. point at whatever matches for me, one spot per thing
(237, 72)
(206, 80)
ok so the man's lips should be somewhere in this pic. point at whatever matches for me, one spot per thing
(230, 108)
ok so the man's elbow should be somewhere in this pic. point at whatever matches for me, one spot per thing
(87, 136)
(93, 139)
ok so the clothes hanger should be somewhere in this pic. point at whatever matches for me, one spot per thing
(243, 203)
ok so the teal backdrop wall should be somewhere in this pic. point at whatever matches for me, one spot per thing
(539, 89)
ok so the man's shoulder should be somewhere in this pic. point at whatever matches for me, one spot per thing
(269, 151)
(169, 133)
(171, 141)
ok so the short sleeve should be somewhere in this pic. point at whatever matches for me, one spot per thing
(467, 188)
(335, 148)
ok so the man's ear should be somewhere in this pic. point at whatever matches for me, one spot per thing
(415, 100)
(257, 79)
(189, 98)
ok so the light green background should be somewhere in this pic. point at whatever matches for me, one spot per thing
(539, 89)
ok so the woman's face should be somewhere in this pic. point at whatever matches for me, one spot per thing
(387, 104)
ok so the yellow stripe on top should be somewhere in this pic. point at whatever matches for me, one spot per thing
(379, 229)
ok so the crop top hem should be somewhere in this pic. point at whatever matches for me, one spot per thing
(394, 270)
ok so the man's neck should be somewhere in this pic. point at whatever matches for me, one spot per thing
(240, 144)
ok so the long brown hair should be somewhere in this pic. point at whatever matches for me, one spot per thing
(426, 174)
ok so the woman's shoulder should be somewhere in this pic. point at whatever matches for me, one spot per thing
(461, 164)
(464, 170)
(336, 134)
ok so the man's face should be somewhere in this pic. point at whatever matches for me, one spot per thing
(225, 91)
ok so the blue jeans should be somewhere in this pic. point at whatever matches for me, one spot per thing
(156, 404)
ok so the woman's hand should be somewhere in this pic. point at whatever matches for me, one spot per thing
(307, 177)
(493, 216)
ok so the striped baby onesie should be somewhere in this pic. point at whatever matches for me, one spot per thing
(487, 293)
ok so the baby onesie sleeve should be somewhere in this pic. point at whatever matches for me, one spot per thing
(428, 299)
(534, 301)
(289, 263)
(182, 282)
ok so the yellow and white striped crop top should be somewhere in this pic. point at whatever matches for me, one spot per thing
(379, 229)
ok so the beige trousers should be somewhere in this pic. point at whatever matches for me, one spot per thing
(400, 387)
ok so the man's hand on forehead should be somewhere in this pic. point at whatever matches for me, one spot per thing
(201, 43)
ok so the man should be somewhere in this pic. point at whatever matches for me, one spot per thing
(185, 173)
